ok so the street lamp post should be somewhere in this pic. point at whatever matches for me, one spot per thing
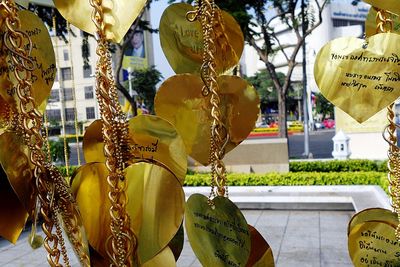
(306, 153)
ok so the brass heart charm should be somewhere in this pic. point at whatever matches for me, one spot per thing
(155, 205)
(261, 252)
(119, 15)
(180, 101)
(360, 77)
(150, 137)
(182, 40)
(372, 240)
(13, 215)
(42, 60)
(218, 235)
(389, 5)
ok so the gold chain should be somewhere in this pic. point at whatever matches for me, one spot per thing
(121, 245)
(385, 24)
(51, 190)
(205, 13)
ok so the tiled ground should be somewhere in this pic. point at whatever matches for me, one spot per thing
(297, 238)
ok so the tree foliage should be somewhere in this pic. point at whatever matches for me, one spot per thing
(323, 106)
(144, 82)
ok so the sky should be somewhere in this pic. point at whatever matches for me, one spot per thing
(160, 61)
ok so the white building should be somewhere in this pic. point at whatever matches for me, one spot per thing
(74, 85)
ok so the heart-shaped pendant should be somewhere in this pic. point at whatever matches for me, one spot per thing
(261, 253)
(14, 158)
(13, 215)
(361, 77)
(150, 137)
(389, 5)
(118, 15)
(373, 214)
(182, 40)
(155, 205)
(41, 59)
(370, 22)
(218, 234)
(163, 259)
(374, 243)
(180, 101)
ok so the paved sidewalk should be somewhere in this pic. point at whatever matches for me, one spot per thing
(297, 238)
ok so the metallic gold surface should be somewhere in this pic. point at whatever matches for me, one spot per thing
(14, 158)
(152, 137)
(389, 5)
(42, 59)
(12, 213)
(359, 76)
(155, 205)
(176, 244)
(261, 253)
(93, 146)
(373, 214)
(182, 41)
(118, 15)
(374, 244)
(218, 235)
(180, 101)
(163, 259)
(370, 22)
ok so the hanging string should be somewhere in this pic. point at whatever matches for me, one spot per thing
(62, 100)
(74, 95)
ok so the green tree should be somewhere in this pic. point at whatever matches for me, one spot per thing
(144, 82)
(57, 151)
(323, 106)
(258, 20)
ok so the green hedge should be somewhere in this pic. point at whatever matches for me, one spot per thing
(298, 178)
(352, 165)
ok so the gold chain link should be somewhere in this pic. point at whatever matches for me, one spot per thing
(122, 244)
(385, 24)
(50, 187)
(205, 12)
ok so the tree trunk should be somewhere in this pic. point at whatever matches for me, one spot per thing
(282, 114)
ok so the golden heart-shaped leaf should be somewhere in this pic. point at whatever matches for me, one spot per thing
(361, 77)
(155, 205)
(374, 244)
(176, 244)
(118, 15)
(182, 41)
(13, 215)
(163, 259)
(373, 214)
(42, 59)
(150, 137)
(261, 252)
(180, 101)
(14, 159)
(371, 26)
(92, 145)
(218, 235)
(389, 5)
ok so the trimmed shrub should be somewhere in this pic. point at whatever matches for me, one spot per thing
(352, 165)
(295, 178)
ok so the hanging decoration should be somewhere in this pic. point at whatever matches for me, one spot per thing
(28, 71)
